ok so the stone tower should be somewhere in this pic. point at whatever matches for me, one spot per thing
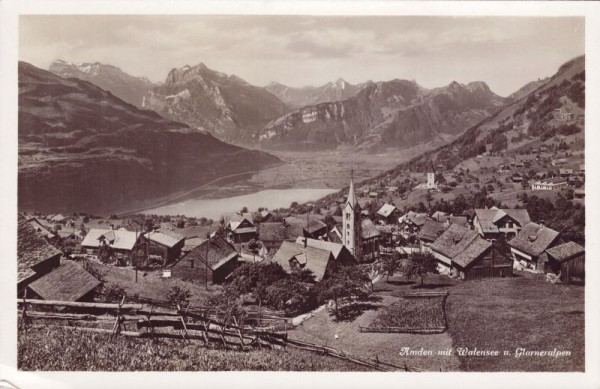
(351, 219)
(431, 181)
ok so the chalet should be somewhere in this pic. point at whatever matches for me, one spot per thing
(340, 253)
(316, 256)
(373, 195)
(563, 172)
(539, 175)
(579, 193)
(388, 213)
(44, 230)
(370, 239)
(529, 244)
(430, 231)
(212, 261)
(273, 234)
(35, 256)
(549, 184)
(516, 178)
(310, 226)
(68, 282)
(392, 189)
(169, 247)
(439, 216)
(582, 168)
(490, 223)
(462, 253)
(335, 234)
(567, 260)
(265, 215)
(559, 161)
(58, 218)
(121, 242)
(240, 227)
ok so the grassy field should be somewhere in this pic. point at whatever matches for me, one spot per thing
(151, 285)
(508, 313)
(56, 349)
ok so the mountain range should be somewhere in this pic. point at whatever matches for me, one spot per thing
(395, 113)
(82, 148)
(311, 95)
(370, 116)
(128, 88)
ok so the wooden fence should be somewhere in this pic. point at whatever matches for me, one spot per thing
(151, 322)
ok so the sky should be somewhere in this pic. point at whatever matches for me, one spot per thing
(505, 52)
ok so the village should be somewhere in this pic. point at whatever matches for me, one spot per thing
(288, 262)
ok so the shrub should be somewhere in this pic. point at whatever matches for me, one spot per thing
(179, 296)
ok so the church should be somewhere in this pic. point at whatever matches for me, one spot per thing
(359, 234)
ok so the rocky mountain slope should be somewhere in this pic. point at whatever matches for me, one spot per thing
(83, 149)
(395, 113)
(128, 88)
(222, 104)
(310, 95)
(552, 111)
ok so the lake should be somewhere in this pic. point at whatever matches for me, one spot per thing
(214, 208)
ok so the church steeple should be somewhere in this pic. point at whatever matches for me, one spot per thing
(351, 195)
(352, 222)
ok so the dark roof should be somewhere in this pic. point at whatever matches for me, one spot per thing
(279, 231)
(565, 251)
(473, 251)
(32, 249)
(368, 229)
(213, 252)
(431, 230)
(462, 220)
(68, 282)
(310, 258)
(191, 231)
(533, 239)
(454, 240)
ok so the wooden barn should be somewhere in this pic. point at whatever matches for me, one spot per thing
(212, 261)
(529, 245)
(35, 256)
(568, 260)
(68, 282)
(168, 246)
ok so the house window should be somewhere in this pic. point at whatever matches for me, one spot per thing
(347, 215)
(192, 263)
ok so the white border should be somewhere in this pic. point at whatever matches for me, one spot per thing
(9, 11)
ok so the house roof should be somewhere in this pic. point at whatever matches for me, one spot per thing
(487, 218)
(533, 239)
(213, 252)
(386, 210)
(35, 223)
(439, 215)
(368, 229)
(191, 243)
(334, 248)
(310, 258)
(58, 218)
(68, 282)
(232, 220)
(168, 240)
(454, 240)
(565, 251)
(117, 239)
(335, 236)
(279, 231)
(417, 219)
(190, 231)
(553, 180)
(32, 249)
(431, 230)
(473, 251)
(244, 230)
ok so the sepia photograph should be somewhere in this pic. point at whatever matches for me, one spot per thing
(299, 193)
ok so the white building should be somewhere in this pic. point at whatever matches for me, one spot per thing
(555, 183)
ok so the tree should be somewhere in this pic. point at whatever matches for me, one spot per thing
(178, 296)
(389, 264)
(344, 282)
(419, 265)
(254, 278)
(181, 224)
(244, 210)
(105, 253)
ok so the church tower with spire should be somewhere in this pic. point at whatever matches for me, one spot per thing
(352, 223)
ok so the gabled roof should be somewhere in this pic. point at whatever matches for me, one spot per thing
(386, 210)
(533, 239)
(279, 231)
(232, 220)
(213, 252)
(473, 251)
(454, 240)
(431, 230)
(334, 248)
(68, 282)
(488, 218)
(116, 239)
(368, 229)
(32, 249)
(167, 240)
(39, 227)
(310, 258)
(565, 251)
